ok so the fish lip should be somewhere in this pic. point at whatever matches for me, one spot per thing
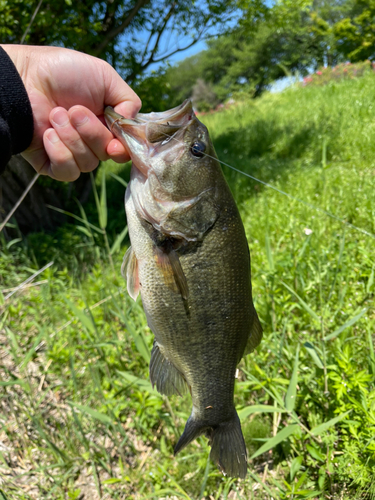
(179, 112)
(168, 115)
(111, 118)
(133, 133)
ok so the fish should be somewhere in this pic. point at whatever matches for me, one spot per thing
(189, 260)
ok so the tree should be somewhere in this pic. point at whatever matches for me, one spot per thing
(270, 42)
(203, 96)
(171, 84)
(129, 34)
(355, 34)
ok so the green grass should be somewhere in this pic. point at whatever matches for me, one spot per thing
(78, 417)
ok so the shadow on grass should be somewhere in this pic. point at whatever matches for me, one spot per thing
(264, 150)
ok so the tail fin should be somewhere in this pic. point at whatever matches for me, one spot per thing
(227, 442)
(229, 449)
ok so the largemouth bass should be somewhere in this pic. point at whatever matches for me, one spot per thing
(189, 259)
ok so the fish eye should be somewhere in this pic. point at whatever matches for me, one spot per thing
(197, 149)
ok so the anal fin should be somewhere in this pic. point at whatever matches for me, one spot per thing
(129, 271)
(164, 374)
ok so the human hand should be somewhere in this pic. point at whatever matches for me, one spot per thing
(68, 91)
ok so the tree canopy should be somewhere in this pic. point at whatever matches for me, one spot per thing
(129, 34)
(269, 42)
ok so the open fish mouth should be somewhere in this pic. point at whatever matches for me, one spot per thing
(178, 116)
(148, 134)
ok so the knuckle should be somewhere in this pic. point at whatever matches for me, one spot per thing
(65, 173)
(62, 157)
(75, 142)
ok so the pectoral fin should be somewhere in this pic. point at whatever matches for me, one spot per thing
(168, 261)
(129, 271)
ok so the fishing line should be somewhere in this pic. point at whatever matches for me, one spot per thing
(280, 191)
(307, 204)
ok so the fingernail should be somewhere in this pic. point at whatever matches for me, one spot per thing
(79, 117)
(53, 137)
(60, 118)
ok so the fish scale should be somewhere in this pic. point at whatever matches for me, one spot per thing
(189, 260)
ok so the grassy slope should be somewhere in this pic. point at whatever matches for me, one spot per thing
(76, 420)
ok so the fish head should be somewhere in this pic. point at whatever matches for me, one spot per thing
(172, 149)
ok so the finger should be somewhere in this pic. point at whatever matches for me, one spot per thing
(62, 165)
(84, 157)
(96, 135)
(117, 152)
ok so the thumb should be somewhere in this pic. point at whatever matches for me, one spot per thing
(119, 95)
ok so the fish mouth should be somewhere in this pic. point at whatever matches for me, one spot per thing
(149, 134)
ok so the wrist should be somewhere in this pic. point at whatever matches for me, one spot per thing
(15, 109)
(19, 54)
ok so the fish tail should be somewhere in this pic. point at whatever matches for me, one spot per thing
(228, 449)
(193, 429)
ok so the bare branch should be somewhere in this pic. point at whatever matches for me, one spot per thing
(143, 65)
(160, 32)
(196, 39)
(109, 16)
(130, 78)
(118, 29)
(152, 33)
(31, 21)
(148, 55)
(179, 49)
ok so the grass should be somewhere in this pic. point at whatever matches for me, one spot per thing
(78, 417)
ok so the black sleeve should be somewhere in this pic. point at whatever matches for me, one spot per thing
(16, 117)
